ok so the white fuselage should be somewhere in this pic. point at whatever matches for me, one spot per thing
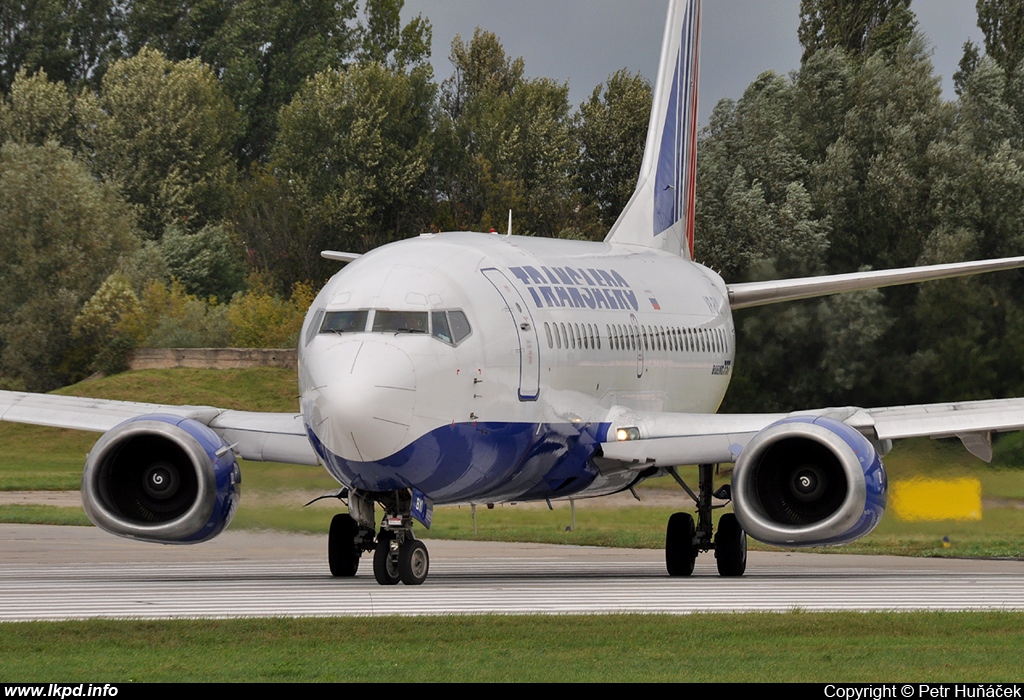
(559, 332)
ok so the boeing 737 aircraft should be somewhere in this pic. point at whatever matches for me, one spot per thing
(480, 368)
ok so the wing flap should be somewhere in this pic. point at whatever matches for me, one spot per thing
(947, 419)
(672, 439)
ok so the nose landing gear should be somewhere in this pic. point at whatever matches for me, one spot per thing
(400, 557)
(397, 555)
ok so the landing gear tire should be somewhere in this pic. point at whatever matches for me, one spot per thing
(730, 547)
(342, 553)
(680, 550)
(413, 562)
(385, 569)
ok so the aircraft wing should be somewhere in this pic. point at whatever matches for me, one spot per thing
(263, 437)
(670, 439)
(747, 294)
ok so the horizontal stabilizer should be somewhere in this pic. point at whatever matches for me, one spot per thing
(339, 255)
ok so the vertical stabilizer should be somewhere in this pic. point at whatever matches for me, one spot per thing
(660, 212)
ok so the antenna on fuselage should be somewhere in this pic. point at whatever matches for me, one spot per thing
(509, 231)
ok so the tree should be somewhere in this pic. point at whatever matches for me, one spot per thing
(1002, 23)
(858, 27)
(163, 131)
(262, 50)
(36, 111)
(208, 263)
(72, 40)
(61, 234)
(503, 143)
(385, 41)
(355, 145)
(611, 128)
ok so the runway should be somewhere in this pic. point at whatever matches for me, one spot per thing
(52, 573)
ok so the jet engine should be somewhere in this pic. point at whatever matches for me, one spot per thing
(806, 481)
(161, 478)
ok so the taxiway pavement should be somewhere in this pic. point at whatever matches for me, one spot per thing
(50, 572)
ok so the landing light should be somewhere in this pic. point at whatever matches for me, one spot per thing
(623, 434)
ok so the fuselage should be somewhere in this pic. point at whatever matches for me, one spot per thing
(482, 368)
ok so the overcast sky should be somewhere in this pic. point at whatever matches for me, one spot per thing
(585, 41)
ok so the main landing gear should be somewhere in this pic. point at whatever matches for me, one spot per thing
(397, 555)
(684, 539)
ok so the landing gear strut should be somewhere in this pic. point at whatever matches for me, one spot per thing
(684, 539)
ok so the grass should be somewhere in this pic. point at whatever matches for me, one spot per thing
(752, 647)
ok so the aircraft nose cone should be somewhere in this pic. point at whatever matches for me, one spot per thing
(366, 400)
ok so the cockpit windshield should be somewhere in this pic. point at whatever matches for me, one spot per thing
(450, 327)
(344, 321)
(400, 322)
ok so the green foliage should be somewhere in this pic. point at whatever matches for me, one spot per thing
(101, 325)
(611, 128)
(71, 40)
(280, 239)
(262, 50)
(169, 317)
(1002, 22)
(385, 41)
(503, 143)
(207, 263)
(36, 111)
(259, 319)
(355, 144)
(61, 234)
(858, 28)
(163, 131)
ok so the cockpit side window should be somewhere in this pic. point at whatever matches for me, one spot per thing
(440, 329)
(459, 325)
(344, 321)
(314, 325)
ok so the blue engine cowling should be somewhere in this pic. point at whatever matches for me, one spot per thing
(806, 481)
(161, 478)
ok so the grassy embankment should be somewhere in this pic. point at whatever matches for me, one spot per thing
(34, 458)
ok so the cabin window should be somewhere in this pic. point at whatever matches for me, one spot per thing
(547, 332)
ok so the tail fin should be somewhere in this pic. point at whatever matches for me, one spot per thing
(660, 212)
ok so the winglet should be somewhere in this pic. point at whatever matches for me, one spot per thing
(661, 210)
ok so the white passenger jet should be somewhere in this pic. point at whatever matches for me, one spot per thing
(481, 368)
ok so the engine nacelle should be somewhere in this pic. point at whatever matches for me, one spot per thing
(806, 481)
(161, 478)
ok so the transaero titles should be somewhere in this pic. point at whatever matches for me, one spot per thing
(567, 287)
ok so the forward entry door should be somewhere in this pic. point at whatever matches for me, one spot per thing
(529, 345)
